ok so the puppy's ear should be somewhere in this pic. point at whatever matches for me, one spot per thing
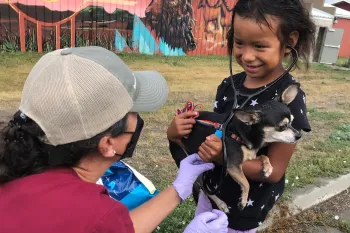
(247, 117)
(289, 94)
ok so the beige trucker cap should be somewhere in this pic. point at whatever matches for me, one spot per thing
(76, 93)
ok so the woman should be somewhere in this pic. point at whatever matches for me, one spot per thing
(78, 116)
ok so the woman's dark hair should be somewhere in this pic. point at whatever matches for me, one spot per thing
(292, 17)
(23, 153)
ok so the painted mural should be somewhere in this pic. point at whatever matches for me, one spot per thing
(166, 27)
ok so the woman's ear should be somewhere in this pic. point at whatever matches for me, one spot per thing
(292, 41)
(105, 147)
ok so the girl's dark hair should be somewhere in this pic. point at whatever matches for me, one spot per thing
(23, 153)
(292, 17)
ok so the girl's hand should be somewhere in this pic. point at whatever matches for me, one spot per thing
(180, 126)
(211, 149)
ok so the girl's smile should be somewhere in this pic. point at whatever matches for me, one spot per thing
(251, 68)
(258, 50)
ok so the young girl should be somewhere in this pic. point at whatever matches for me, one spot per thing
(263, 33)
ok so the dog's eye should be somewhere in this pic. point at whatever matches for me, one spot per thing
(282, 128)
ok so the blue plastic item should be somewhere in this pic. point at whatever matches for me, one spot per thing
(128, 186)
(218, 133)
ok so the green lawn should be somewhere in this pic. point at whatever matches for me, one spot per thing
(344, 62)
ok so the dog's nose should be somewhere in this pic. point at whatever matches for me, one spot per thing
(297, 136)
(148, 14)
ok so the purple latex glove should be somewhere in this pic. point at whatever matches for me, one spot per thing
(190, 168)
(208, 222)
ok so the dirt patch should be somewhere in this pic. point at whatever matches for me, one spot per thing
(322, 216)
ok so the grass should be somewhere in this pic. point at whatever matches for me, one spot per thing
(324, 152)
(326, 157)
(344, 62)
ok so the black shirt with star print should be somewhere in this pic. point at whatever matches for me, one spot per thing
(262, 196)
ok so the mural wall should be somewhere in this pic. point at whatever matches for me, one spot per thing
(167, 27)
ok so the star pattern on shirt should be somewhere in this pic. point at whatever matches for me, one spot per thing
(221, 102)
(216, 104)
(276, 197)
(250, 202)
(254, 102)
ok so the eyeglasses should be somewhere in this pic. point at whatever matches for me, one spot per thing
(130, 148)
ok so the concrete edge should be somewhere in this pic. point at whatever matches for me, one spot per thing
(311, 196)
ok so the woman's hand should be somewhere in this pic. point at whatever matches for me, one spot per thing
(190, 168)
(150, 214)
(211, 149)
(208, 222)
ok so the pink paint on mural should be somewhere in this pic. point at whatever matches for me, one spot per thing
(133, 6)
(173, 27)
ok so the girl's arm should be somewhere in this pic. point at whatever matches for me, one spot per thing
(279, 155)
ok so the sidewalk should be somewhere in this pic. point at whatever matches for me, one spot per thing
(314, 210)
(331, 216)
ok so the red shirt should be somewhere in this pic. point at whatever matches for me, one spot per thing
(58, 201)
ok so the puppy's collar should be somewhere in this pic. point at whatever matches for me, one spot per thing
(209, 123)
(238, 139)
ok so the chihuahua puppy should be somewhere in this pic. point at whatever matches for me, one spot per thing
(249, 130)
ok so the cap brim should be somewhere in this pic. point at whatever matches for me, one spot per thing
(152, 91)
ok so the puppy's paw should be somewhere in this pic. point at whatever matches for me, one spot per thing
(223, 207)
(242, 204)
(267, 170)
